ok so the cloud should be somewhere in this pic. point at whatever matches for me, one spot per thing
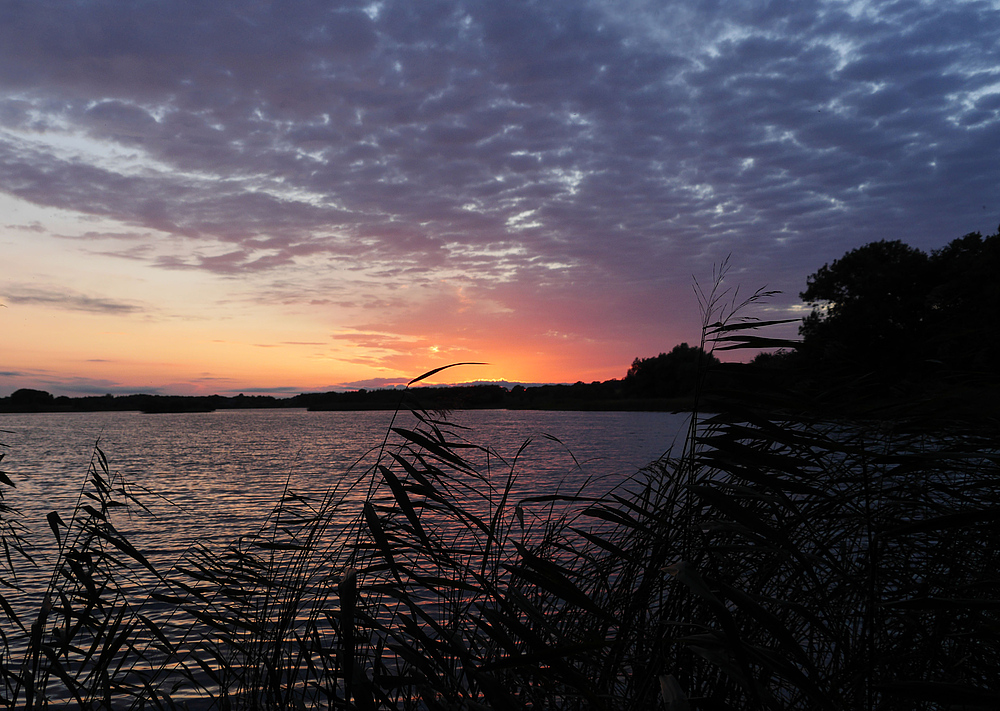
(36, 227)
(67, 300)
(373, 384)
(78, 386)
(278, 391)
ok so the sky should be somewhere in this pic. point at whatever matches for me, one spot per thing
(282, 197)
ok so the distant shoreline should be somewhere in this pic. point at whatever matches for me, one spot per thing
(579, 397)
(736, 388)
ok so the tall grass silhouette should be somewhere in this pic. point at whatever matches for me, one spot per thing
(769, 564)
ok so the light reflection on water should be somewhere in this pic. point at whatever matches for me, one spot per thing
(212, 477)
(222, 472)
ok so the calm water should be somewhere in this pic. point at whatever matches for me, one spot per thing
(214, 476)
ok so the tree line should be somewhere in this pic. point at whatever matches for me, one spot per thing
(890, 323)
(898, 312)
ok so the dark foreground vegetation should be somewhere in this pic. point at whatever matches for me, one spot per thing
(775, 561)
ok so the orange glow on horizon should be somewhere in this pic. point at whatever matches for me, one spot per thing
(84, 352)
(179, 332)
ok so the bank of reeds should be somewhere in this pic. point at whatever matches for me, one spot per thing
(769, 564)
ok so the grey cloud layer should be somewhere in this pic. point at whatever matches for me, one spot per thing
(619, 144)
(68, 300)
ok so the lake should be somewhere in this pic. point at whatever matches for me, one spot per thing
(214, 476)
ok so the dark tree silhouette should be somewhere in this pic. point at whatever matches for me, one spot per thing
(29, 400)
(964, 325)
(891, 312)
(673, 374)
(869, 309)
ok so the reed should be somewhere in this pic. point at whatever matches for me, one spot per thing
(769, 564)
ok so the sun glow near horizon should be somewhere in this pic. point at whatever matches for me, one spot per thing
(167, 332)
(109, 310)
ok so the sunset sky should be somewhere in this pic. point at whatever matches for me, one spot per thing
(278, 197)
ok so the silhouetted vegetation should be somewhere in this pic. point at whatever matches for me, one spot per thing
(893, 332)
(27, 400)
(869, 310)
(669, 375)
(890, 317)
